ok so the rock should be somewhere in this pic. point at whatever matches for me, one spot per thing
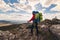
(56, 30)
(47, 31)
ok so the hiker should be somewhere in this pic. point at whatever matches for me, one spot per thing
(36, 19)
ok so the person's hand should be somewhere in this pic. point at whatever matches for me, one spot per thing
(28, 21)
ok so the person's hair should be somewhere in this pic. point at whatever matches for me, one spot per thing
(34, 12)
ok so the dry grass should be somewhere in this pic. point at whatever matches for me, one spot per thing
(4, 24)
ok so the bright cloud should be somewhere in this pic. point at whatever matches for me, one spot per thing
(49, 2)
(57, 8)
(48, 8)
(50, 16)
(3, 6)
(15, 16)
(23, 7)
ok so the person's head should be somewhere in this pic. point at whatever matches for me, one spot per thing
(35, 12)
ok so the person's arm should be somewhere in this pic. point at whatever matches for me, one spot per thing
(31, 18)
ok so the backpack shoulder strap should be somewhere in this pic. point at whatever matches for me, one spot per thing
(39, 16)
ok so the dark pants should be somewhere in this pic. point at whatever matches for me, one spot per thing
(34, 25)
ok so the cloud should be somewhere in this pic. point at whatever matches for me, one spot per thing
(13, 11)
(39, 7)
(49, 9)
(48, 16)
(51, 16)
(15, 16)
(51, 6)
(22, 1)
(57, 8)
(4, 6)
(27, 8)
(43, 2)
(32, 3)
(49, 2)
(16, 7)
(19, 17)
(23, 9)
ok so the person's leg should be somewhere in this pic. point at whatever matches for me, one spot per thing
(36, 28)
(32, 28)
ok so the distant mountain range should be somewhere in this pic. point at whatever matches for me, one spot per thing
(4, 21)
(12, 21)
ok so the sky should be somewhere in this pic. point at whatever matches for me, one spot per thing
(22, 9)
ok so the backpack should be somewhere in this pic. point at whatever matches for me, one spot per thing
(38, 17)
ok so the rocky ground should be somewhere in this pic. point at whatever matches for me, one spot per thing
(47, 31)
(23, 33)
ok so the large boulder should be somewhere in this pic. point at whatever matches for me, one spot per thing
(55, 29)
